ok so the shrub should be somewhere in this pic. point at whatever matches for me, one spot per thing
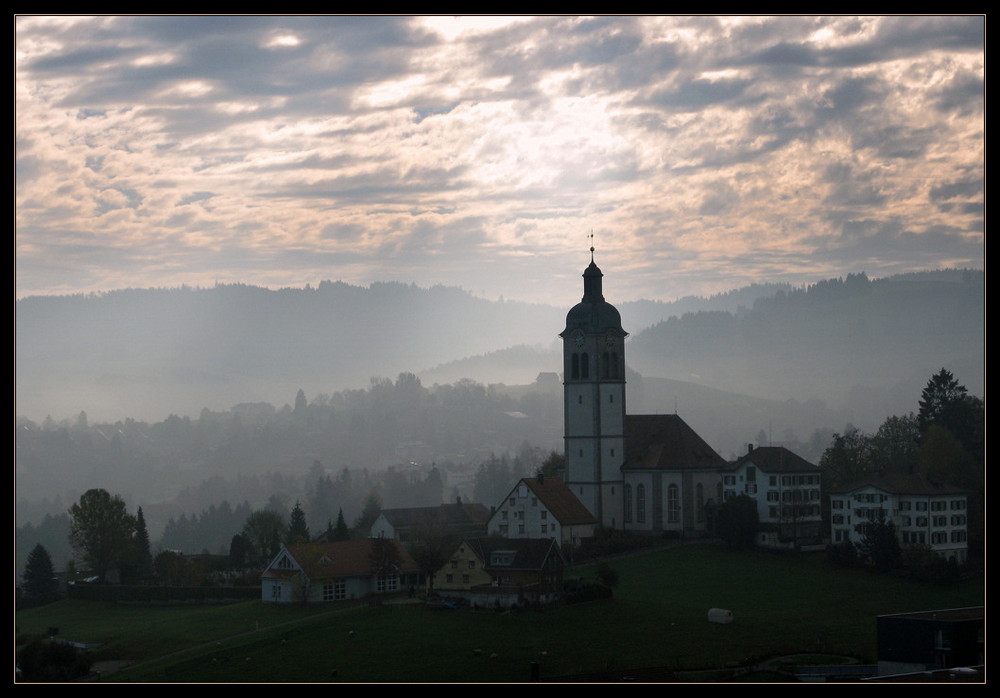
(44, 660)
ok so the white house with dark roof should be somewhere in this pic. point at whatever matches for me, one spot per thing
(316, 572)
(461, 519)
(922, 512)
(542, 507)
(788, 493)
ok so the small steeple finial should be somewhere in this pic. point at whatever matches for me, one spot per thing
(591, 244)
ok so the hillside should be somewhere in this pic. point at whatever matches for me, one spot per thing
(144, 354)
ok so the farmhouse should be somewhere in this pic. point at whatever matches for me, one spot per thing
(496, 571)
(461, 519)
(312, 572)
(542, 507)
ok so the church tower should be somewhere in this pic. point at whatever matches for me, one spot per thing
(594, 400)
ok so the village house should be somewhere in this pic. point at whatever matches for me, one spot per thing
(786, 489)
(316, 572)
(503, 572)
(461, 519)
(542, 507)
(923, 513)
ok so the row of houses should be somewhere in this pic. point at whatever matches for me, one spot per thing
(513, 553)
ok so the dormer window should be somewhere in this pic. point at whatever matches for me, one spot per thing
(502, 558)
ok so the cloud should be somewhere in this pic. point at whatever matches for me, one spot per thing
(708, 152)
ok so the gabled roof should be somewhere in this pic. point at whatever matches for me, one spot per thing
(666, 442)
(349, 558)
(518, 554)
(901, 483)
(774, 459)
(460, 513)
(559, 499)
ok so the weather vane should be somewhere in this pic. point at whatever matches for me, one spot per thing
(591, 244)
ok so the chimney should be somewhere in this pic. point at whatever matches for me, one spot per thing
(749, 448)
(541, 478)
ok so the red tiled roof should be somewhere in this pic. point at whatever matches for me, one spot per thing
(338, 560)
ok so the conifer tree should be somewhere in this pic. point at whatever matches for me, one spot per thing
(39, 575)
(298, 532)
(341, 531)
(144, 558)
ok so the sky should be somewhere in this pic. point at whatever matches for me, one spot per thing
(701, 153)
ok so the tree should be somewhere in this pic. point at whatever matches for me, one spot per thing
(894, 447)
(942, 390)
(39, 576)
(554, 464)
(298, 532)
(432, 545)
(264, 529)
(341, 531)
(101, 531)
(240, 551)
(878, 544)
(143, 557)
(737, 520)
(300, 402)
(384, 560)
(608, 575)
(371, 511)
(847, 459)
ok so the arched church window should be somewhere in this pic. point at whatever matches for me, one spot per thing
(575, 371)
(614, 364)
(584, 365)
(605, 365)
(673, 504)
(627, 497)
(640, 503)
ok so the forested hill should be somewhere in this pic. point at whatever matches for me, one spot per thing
(148, 353)
(850, 341)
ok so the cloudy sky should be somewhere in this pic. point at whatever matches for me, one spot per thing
(704, 153)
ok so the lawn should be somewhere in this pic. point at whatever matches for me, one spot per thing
(781, 604)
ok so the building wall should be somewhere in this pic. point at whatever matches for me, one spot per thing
(671, 500)
(938, 521)
(594, 424)
(382, 528)
(522, 515)
(462, 571)
(291, 590)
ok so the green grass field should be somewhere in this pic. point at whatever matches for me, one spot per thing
(781, 605)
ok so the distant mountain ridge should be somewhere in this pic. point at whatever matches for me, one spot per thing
(147, 353)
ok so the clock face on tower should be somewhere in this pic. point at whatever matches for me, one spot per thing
(578, 339)
(609, 340)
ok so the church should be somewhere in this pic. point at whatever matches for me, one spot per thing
(642, 473)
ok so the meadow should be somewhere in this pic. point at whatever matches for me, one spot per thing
(782, 604)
